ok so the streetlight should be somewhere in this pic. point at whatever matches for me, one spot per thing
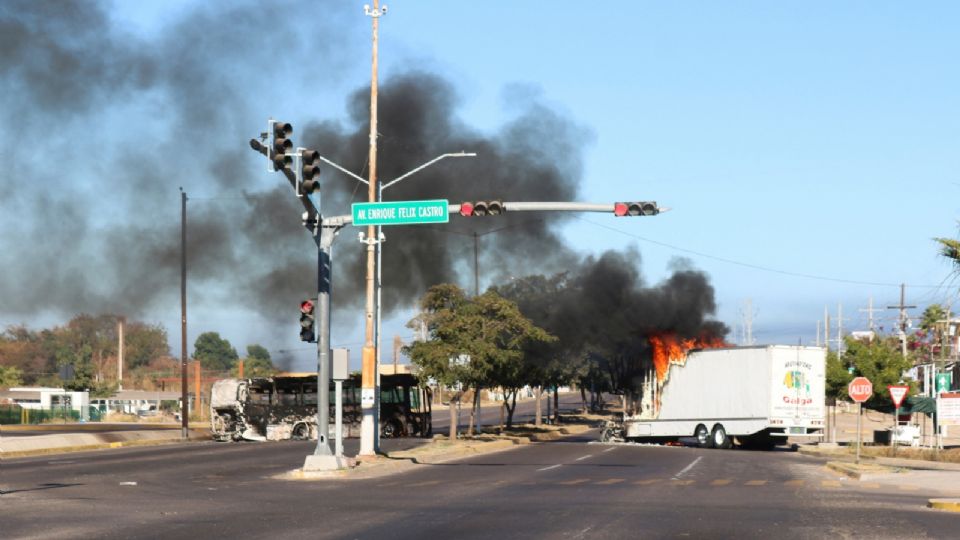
(370, 433)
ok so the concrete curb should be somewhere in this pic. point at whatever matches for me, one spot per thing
(950, 505)
(81, 442)
(900, 463)
(862, 471)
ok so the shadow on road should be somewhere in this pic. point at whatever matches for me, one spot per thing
(41, 487)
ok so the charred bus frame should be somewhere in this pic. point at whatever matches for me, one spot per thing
(285, 407)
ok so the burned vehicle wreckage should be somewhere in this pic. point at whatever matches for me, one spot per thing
(285, 407)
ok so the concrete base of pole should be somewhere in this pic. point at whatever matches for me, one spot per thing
(315, 463)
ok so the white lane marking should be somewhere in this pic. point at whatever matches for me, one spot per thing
(581, 458)
(686, 469)
(609, 449)
(548, 468)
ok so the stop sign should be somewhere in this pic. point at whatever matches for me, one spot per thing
(860, 389)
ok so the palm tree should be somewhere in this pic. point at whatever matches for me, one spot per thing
(950, 249)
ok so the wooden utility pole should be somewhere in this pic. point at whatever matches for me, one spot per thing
(184, 420)
(826, 328)
(903, 318)
(120, 322)
(870, 309)
(369, 400)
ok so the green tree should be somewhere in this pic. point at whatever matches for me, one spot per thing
(257, 363)
(950, 250)
(931, 316)
(258, 352)
(879, 360)
(838, 377)
(144, 343)
(547, 363)
(214, 352)
(489, 330)
(10, 376)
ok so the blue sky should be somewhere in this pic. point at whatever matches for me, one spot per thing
(808, 151)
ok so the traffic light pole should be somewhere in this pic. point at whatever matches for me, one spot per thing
(325, 231)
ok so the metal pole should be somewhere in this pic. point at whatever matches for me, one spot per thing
(859, 434)
(896, 425)
(338, 388)
(476, 265)
(368, 391)
(120, 354)
(378, 329)
(324, 279)
(184, 422)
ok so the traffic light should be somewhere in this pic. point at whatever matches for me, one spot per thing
(259, 146)
(307, 321)
(643, 208)
(481, 208)
(281, 146)
(309, 172)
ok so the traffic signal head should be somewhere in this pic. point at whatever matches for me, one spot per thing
(307, 321)
(309, 172)
(481, 208)
(282, 145)
(259, 147)
(643, 208)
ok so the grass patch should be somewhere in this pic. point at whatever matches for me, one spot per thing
(949, 455)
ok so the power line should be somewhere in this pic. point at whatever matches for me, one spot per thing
(751, 265)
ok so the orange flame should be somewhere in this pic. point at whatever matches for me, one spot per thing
(670, 349)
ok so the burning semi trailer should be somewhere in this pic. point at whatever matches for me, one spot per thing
(720, 395)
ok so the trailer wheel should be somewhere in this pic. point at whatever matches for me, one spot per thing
(719, 438)
(703, 436)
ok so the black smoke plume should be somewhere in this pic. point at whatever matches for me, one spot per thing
(91, 214)
(536, 157)
(91, 208)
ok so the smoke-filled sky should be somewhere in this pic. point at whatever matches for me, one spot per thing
(808, 153)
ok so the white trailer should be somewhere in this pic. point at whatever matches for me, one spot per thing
(757, 396)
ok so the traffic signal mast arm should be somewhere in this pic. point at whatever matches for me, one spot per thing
(618, 208)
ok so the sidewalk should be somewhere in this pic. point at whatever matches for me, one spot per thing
(14, 446)
(845, 430)
(899, 473)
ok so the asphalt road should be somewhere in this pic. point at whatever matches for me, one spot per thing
(569, 489)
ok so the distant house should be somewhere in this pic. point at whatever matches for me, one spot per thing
(134, 401)
(36, 398)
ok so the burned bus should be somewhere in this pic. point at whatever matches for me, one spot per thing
(285, 407)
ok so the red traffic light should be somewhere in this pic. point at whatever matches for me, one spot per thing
(481, 208)
(306, 306)
(641, 208)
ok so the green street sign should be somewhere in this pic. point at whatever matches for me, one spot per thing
(943, 382)
(400, 213)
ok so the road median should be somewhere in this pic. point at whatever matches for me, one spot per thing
(13, 447)
(441, 450)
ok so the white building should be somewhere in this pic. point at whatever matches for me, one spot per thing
(37, 398)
